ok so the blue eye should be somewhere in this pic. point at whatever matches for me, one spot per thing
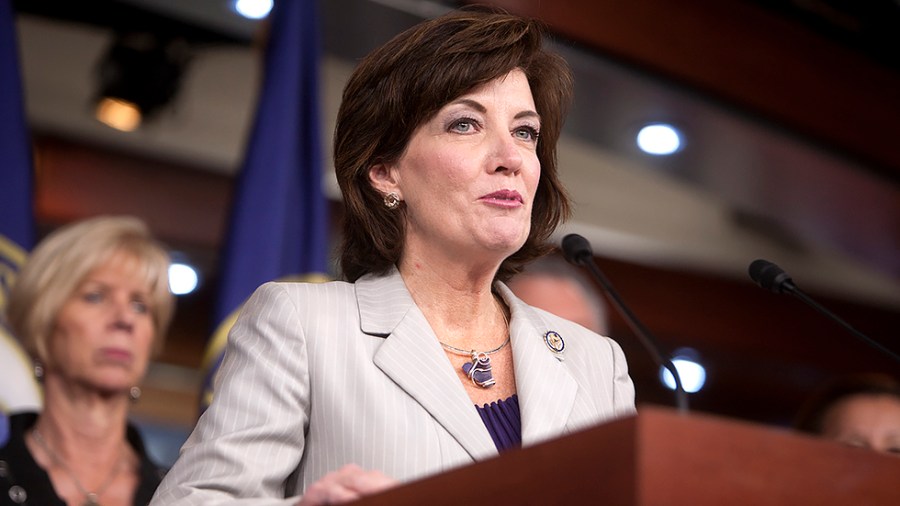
(92, 297)
(463, 125)
(140, 307)
(527, 133)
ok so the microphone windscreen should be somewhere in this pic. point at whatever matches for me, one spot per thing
(769, 276)
(576, 249)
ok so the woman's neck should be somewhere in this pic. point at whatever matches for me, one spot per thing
(85, 452)
(76, 421)
(457, 302)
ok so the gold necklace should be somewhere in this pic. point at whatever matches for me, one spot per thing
(90, 498)
(479, 369)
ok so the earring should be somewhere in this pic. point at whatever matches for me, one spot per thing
(392, 201)
(134, 394)
(39, 372)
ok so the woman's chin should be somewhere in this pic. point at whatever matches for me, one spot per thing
(504, 246)
(109, 385)
(508, 241)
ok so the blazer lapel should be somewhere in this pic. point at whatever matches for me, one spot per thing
(546, 389)
(412, 357)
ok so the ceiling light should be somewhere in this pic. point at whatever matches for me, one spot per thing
(659, 139)
(119, 114)
(690, 371)
(139, 75)
(253, 9)
(183, 278)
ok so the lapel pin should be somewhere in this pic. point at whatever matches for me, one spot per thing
(554, 341)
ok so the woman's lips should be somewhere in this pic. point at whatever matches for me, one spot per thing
(118, 355)
(504, 198)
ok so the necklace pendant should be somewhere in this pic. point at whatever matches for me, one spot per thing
(91, 500)
(479, 370)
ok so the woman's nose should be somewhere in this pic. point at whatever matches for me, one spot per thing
(507, 153)
(123, 310)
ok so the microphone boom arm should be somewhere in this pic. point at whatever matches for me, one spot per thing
(577, 250)
(644, 335)
(796, 292)
(773, 278)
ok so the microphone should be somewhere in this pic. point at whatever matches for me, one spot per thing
(773, 278)
(578, 251)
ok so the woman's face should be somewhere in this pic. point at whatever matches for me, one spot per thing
(869, 421)
(104, 330)
(469, 175)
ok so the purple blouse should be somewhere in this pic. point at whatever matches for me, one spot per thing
(503, 422)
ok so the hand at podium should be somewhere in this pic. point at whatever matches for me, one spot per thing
(348, 483)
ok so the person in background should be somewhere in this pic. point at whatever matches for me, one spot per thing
(422, 360)
(553, 284)
(860, 410)
(91, 306)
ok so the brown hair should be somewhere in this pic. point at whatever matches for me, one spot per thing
(813, 412)
(403, 84)
(62, 260)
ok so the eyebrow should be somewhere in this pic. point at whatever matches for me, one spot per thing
(474, 104)
(528, 114)
(471, 103)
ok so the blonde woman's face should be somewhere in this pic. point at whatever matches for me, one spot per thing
(104, 331)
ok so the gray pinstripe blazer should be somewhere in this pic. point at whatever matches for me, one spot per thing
(319, 375)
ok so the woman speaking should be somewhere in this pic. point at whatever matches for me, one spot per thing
(422, 360)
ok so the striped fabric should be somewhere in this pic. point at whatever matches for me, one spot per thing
(316, 376)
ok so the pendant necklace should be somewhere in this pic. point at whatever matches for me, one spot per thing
(479, 369)
(90, 498)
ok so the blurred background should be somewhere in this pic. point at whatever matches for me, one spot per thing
(783, 146)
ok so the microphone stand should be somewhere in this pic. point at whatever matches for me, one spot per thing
(773, 278)
(792, 289)
(581, 257)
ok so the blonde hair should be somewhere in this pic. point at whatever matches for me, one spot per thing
(59, 264)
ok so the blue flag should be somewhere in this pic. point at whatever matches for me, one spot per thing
(16, 213)
(18, 389)
(279, 222)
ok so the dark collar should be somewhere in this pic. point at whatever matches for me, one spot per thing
(19, 469)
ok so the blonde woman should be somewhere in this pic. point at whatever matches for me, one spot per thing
(91, 307)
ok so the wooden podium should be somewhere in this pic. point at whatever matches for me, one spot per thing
(660, 457)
